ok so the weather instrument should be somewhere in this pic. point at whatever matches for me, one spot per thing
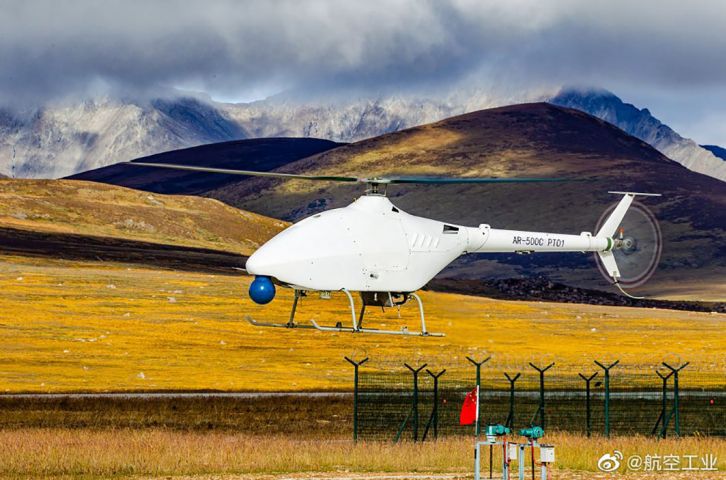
(385, 254)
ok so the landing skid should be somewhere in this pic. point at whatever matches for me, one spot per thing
(617, 284)
(276, 325)
(357, 320)
(403, 331)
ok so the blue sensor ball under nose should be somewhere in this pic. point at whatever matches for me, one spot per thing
(262, 290)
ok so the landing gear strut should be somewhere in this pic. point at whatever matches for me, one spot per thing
(382, 299)
(291, 322)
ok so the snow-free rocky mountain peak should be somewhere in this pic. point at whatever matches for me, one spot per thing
(63, 139)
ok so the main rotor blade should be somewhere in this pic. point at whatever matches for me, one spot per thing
(444, 180)
(251, 173)
(337, 178)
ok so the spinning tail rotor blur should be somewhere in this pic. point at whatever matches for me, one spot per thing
(637, 245)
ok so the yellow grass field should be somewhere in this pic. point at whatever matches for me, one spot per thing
(101, 326)
(156, 453)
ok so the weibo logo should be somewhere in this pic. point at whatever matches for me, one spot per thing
(610, 463)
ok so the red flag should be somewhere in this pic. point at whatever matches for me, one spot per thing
(469, 410)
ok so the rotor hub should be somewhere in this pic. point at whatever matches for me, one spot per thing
(376, 186)
(627, 245)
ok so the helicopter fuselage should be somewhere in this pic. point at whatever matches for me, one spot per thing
(373, 246)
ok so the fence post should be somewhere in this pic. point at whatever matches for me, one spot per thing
(434, 419)
(414, 406)
(510, 417)
(663, 406)
(675, 371)
(588, 414)
(478, 386)
(541, 408)
(607, 393)
(356, 365)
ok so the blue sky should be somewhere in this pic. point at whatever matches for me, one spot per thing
(664, 55)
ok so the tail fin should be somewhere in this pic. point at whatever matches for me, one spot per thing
(611, 267)
(608, 230)
(610, 226)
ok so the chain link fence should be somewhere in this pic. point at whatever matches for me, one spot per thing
(422, 400)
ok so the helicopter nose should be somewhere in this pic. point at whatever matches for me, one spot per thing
(253, 263)
(266, 261)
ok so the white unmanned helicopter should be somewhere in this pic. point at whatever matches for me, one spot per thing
(374, 248)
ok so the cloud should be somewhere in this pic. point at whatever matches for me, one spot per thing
(52, 49)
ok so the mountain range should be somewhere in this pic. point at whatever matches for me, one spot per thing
(641, 124)
(61, 140)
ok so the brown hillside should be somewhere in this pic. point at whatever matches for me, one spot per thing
(92, 209)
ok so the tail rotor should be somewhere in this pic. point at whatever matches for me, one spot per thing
(636, 244)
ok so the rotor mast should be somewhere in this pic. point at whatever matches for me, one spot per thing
(376, 186)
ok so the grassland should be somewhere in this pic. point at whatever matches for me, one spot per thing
(159, 453)
(87, 208)
(93, 326)
(302, 416)
(224, 438)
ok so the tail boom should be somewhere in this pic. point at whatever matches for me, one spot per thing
(516, 241)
